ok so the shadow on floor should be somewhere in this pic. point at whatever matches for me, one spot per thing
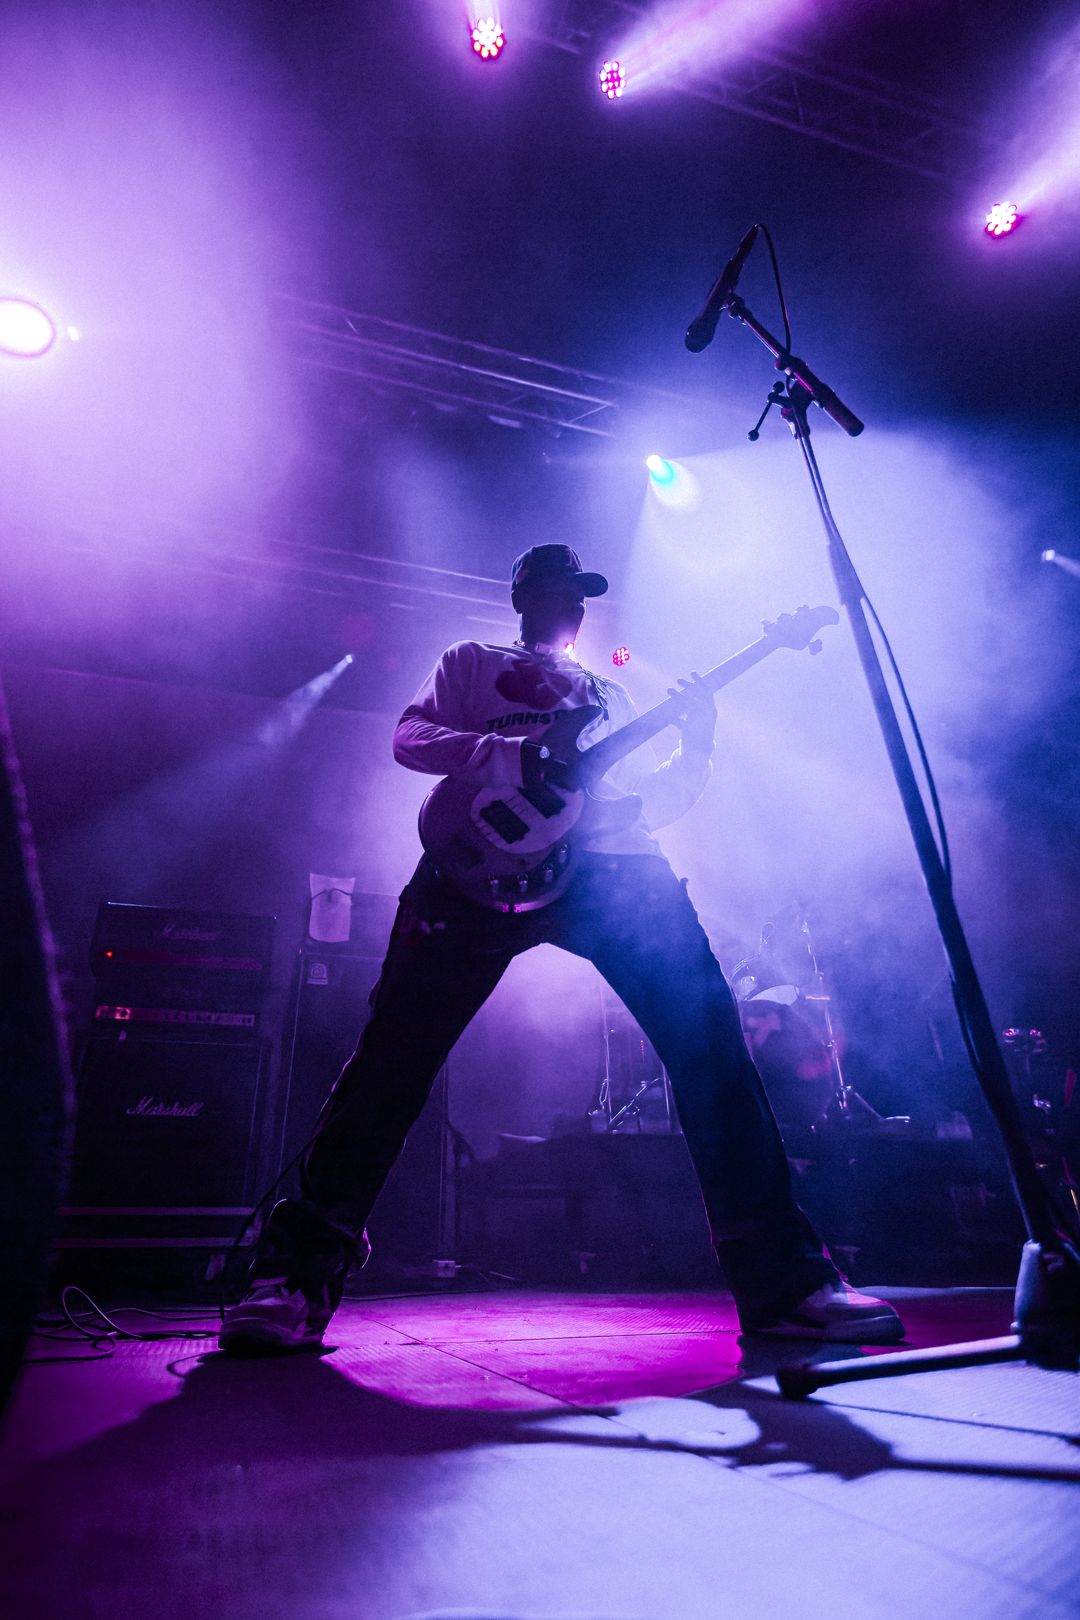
(289, 1463)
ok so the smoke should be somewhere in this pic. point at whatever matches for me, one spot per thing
(693, 36)
(146, 173)
(1038, 168)
(802, 806)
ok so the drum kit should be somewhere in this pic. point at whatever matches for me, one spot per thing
(1049, 1111)
(854, 1168)
(786, 1009)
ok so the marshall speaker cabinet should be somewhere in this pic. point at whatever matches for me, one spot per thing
(171, 1078)
(165, 1125)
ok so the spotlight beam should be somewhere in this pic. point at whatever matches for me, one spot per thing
(296, 709)
(1002, 219)
(1071, 565)
(661, 470)
(487, 38)
(26, 330)
(848, 108)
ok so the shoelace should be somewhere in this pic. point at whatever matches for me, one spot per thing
(267, 1285)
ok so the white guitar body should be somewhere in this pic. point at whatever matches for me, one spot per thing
(515, 849)
(511, 851)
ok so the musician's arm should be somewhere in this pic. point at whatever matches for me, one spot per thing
(433, 734)
(668, 790)
(674, 787)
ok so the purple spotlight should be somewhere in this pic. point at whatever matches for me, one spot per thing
(611, 80)
(621, 655)
(488, 38)
(1002, 218)
(26, 331)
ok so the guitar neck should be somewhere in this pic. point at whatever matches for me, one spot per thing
(602, 755)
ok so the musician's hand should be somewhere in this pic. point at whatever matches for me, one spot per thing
(697, 722)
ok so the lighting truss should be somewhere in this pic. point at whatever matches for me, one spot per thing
(841, 106)
(295, 566)
(513, 390)
(235, 560)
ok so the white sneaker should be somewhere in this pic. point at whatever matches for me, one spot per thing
(272, 1316)
(839, 1312)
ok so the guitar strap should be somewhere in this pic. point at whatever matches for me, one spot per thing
(599, 688)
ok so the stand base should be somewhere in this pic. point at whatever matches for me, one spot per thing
(1046, 1333)
(804, 1378)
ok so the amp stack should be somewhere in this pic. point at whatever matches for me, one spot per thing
(171, 1079)
(409, 1226)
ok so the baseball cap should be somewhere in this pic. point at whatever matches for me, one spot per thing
(554, 564)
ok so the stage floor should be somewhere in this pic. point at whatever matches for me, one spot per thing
(540, 1455)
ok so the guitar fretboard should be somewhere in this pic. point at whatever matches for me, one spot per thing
(601, 756)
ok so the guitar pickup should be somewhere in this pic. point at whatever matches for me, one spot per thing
(504, 821)
(544, 799)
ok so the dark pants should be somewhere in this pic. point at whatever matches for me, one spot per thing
(632, 918)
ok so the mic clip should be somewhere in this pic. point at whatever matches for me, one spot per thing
(776, 397)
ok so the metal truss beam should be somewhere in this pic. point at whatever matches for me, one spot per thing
(513, 390)
(825, 101)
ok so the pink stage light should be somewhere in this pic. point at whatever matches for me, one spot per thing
(488, 38)
(26, 331)
(611, 80)
(1002, 218)
(621, 655)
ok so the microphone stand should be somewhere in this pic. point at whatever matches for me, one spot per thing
(1046, 1326)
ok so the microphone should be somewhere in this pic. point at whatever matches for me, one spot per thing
(700, 333)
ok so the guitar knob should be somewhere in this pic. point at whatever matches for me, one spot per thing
(549, 874)
(493, 887)
(523, 885)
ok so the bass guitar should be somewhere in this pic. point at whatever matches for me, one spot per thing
(515, 849)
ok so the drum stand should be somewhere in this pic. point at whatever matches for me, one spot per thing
(1046, 1329)
(603, 1116)
(852, 1110)
(632, 1109)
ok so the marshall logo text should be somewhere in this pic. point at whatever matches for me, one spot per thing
(175, 930)
(157, 1108)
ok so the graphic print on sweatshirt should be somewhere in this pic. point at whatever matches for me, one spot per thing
(531, 685)
(544, 690)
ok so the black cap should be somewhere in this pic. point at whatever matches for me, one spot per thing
(542, 565)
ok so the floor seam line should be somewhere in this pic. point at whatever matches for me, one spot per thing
(873, 1524)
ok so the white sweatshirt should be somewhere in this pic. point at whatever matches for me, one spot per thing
(480, 702)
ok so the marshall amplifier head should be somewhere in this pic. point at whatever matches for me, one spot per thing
(158, 959)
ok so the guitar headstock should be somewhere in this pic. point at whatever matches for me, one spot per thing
(799, 629)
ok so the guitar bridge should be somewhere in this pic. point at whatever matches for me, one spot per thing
(525, 891)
